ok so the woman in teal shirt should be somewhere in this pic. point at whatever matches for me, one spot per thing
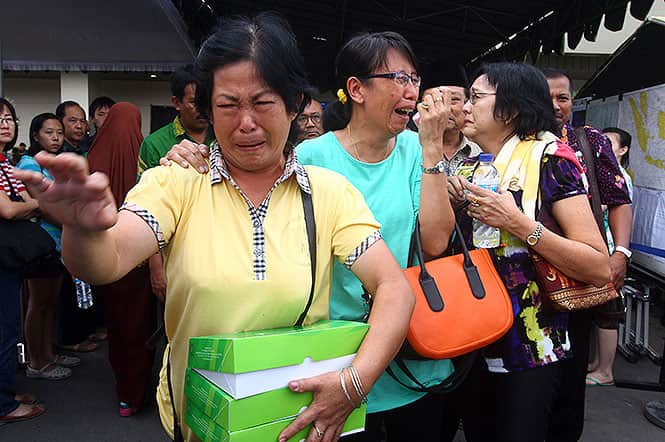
(373, 149)
(46, 133)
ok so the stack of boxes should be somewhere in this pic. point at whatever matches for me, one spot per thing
(236, 384)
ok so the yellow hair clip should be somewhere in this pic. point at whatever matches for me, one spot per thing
(341, 95)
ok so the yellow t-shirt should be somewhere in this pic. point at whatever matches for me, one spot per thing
(209, 241)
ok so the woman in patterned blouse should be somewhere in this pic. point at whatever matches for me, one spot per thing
(542, 208)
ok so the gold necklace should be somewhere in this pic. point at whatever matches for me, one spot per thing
(355, 147)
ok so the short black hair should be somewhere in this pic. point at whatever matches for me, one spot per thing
(98, 103)
(360, 57)
(551, 73)
(6, 104)
(35, 126)
(625, 139)
(180, 78)
(522, 94)
(267, 41)
(62, 108)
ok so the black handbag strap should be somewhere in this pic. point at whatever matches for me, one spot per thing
(308, 209)
(310, 224)
(593, 181)
(428, 283)
(462, 366)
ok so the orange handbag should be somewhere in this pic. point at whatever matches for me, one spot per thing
(461, 302)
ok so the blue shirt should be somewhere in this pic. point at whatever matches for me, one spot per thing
(28, 163)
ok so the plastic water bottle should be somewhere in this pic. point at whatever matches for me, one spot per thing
(487, 177)
(83, 294)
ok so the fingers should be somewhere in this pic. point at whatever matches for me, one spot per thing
(333, 434)
(187, 152)
(455, 182)
(65, 166)
(303, 419)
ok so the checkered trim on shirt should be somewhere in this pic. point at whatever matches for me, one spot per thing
(362, 248)
(149, 219)
(219, 171)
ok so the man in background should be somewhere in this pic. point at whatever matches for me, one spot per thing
(189, 124)
(98, 110)
(309, 121)
(568, 413)
(72, 116)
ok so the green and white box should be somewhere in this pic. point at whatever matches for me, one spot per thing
(249, 363)
(237, 414)
(208, 431)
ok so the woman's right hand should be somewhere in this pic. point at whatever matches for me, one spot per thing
(186, 153)
(75, 197)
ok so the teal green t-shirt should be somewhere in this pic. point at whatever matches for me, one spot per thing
(392, 191)
(29, 163)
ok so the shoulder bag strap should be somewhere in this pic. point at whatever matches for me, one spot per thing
(177, 432)
(462, 365)
(308, 209)
(593, 182)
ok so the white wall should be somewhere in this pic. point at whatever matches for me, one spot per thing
(31, 96)
(142, 93)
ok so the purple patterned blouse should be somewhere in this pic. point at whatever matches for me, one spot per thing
(537, 336)
(611, 183)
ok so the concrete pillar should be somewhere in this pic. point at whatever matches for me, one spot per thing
(74, 86)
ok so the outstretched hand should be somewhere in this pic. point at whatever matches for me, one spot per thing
(328, 410)
(74, 198)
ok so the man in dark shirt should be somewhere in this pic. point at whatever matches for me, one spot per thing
(568, 413)
(73, 120)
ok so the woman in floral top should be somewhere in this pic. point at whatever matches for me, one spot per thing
(542, 207)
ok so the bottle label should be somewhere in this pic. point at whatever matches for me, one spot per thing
(493, 186)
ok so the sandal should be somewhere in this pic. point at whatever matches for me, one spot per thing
(67, 361)
(54, 373)
(98, 336)
(126, 410)
(82, 347)
(26, 398)
(35, 410)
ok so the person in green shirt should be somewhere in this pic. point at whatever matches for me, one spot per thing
(189, 124)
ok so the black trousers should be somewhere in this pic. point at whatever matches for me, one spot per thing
(504, 407)
(75, 324)
(418, 421)
(567, 421)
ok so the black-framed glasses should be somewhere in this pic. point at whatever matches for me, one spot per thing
(8, 120)
(303, 118)
(475, 95)
(400, 77)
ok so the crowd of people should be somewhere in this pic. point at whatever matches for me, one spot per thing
(205, 216)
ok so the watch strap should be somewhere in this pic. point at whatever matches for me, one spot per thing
(625, 251)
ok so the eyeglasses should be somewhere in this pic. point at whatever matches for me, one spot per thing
(8, 120)
(401, 78)
(303, 118)
(476, 95)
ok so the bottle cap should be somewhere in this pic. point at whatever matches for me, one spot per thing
(486, 158)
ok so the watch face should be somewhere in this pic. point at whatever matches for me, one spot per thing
(531, 240)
